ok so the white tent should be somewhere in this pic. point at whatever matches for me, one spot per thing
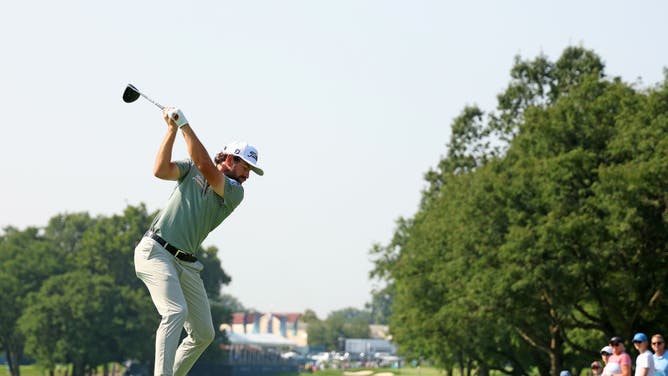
(259, 339)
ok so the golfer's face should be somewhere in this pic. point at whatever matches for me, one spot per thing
(240, 171)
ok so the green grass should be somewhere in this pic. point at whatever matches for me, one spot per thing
(35, 370)
(25, 371)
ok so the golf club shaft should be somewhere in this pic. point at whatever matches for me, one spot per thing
(151, 100)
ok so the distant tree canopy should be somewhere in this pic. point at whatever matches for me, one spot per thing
(344, 323)
(544, 229)
(70, 293)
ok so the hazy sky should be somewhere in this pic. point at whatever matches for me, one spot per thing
(349, 103)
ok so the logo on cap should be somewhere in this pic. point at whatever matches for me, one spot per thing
(252, 154)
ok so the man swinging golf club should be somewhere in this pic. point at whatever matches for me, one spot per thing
(207, 191)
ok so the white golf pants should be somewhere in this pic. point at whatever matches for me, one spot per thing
(178, 293)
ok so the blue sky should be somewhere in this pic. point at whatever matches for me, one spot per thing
(349, 103)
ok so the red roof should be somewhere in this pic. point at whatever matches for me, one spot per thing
(238, 317)
(291, 317)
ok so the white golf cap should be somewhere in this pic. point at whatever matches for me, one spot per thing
(246, 152)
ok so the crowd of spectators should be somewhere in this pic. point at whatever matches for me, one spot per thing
(615, 361)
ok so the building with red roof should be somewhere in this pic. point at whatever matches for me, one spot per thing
(286, 325)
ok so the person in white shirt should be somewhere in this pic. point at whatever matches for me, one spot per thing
(645, 359)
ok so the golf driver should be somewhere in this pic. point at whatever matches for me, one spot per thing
(131, 94)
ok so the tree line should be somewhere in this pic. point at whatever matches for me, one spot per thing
(339, 324)
(70, 294)
(542, 231)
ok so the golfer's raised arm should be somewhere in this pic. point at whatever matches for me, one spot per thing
(164, 168)
(197, 151)
(203, 161)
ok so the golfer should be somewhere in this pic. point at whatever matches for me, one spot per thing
(206, 193)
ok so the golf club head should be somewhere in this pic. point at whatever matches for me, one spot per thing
(130, 94)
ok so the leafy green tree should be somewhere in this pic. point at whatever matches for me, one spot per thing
(71, 249)
(384, 258)
(10, 339)
(105, 246)
(309, 316)
(26, 260)
(65, 231)
(214, 276)
(380, 307)
(516, 257)
(344, 323)
(72, 319)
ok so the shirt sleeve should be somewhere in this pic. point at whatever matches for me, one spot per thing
(184, 167)
(234, 193)
(625, 360)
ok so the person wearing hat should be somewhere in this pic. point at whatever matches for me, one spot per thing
(610, 368)
(206, 192)
(596, 368)
(619, 357)
(645, 358)
(660, 356)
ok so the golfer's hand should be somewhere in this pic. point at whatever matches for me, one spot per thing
(168, 119)
(174, 117)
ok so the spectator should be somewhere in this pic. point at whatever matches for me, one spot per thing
(565, 373)
(644, 360)
(610, 368)
(660, 359)
(620, 357)
(596, 368)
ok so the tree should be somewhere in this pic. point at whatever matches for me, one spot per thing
(213, 275)
(344, 323)
(10, 339)
(384, 259)
(92, 258)
(380, 307)
(26, 260)
(104, 246)
(72, 319)
(515, 257)
(309, 316)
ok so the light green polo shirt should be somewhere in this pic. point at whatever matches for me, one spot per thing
(194, 209)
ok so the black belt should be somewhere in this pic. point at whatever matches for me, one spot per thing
(179, 254)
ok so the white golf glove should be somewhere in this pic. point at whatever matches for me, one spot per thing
(177, 116)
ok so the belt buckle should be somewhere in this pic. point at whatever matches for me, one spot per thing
(179, 253)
